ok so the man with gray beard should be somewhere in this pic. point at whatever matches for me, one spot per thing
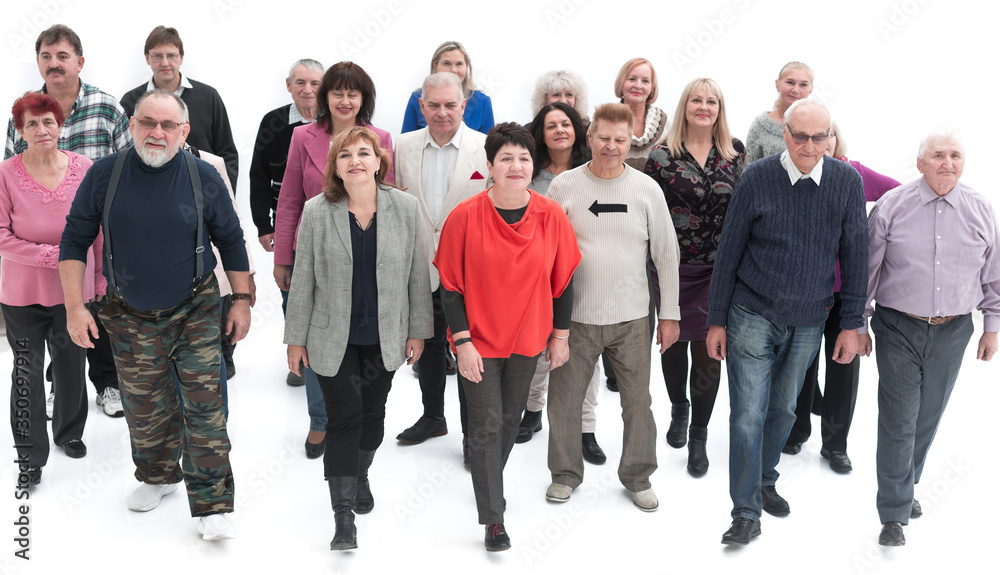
(158, 210)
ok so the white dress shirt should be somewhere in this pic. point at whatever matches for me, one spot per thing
(436, 170)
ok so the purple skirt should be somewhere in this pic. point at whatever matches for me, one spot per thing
(694, 283)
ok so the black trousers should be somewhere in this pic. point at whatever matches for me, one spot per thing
(840, 392)
(355, 408)
(432, 365)
(29, 328)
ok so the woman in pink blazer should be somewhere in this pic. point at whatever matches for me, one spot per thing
(349, 101)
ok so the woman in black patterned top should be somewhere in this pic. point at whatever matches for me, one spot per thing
(697, 166)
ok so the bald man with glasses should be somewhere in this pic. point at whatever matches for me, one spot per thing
(792, 217)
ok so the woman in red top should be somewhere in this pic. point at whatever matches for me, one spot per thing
(506, 260)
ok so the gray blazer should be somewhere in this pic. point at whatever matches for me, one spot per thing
(319, 302)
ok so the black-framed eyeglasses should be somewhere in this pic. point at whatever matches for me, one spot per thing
(167, 125)
(819, 140)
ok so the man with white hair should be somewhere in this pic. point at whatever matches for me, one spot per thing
(270, 155)
(792, 216)
(441, 164)
(932, 260)
(159, 209)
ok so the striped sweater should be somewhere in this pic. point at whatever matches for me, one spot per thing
(617, 222)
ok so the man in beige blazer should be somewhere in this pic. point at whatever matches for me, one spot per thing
(442, 165)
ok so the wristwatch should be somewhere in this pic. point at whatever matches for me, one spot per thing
(239, 296)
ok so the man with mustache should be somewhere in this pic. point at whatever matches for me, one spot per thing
(95, 126)
(159, 209)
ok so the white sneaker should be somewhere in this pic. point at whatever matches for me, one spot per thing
(111, 400)
(50, 404)
(645, 500)
(147, 496)
(216, 527)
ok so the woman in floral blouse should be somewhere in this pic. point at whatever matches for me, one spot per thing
(697, 166)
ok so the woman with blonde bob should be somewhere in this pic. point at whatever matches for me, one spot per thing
(636, 86)
(765, 138)
(697, 168)
(452, 57)
(361, 222)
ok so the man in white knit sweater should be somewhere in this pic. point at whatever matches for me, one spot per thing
(619, 215)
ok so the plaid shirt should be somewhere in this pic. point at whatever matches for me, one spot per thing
(96, 127)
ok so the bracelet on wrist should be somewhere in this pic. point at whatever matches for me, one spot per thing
(560, 336)
(461, 341)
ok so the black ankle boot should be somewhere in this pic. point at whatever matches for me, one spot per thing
(343, 490)
(697, 451)
(677, 433)
(364, 501)
(531, 423)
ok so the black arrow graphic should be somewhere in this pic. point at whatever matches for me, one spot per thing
(597, 208)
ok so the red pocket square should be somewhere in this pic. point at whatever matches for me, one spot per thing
(477, 176)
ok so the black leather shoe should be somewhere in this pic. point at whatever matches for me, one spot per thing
(33, 475)
(345, 535)
(497, 538)
(315, 450)
(916, 510)
(423, 429)
(677, 432)
(774, 503)
(839, 461)
(892, 535)
(613, 384)
(74, 448)
(698, 451)
(792, 448)
(294, 380)
(741, 531)
(531, 423)
(592, 452)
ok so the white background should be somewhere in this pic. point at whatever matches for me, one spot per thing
(890, 71)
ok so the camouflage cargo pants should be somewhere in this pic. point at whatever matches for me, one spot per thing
(149, 348)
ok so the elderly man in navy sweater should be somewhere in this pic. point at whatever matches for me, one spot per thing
(162, 308)
(792, 216)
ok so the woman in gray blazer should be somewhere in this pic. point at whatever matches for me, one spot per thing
(359, 306)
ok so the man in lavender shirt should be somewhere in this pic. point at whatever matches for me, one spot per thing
(932, 259)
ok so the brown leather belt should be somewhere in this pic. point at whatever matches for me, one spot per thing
(938, 320)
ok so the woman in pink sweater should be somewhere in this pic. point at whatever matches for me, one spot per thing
(36, 190)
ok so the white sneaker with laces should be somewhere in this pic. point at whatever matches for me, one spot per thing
(147, 496)
(50, 404)
(111, 400)
(216, 527)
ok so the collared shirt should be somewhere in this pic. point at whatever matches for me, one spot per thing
(296, 117)
(96, 126)
(933, 255)
(436, 170)
(180, 88)
(795, 175)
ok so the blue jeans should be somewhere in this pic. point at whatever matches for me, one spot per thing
(314, 395)
(766, 363)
